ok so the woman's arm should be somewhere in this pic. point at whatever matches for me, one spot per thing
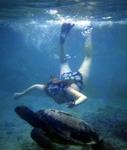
(29, 89)
(80, 97)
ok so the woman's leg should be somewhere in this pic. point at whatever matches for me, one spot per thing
(85, 66)
(64, 66)
(65, 29)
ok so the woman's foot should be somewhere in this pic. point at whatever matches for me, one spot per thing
(65, 29)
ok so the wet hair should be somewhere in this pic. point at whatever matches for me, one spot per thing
(53, 79)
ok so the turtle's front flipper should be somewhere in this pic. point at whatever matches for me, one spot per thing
(28, 115)
(40, 137)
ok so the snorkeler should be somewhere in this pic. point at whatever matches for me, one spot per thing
(67, 88)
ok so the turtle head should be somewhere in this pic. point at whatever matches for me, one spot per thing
(28, 115)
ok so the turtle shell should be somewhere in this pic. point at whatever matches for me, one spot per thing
(66, 128)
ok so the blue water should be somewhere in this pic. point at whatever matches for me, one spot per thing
(29, 54)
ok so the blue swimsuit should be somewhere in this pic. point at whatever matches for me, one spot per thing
(57, 89)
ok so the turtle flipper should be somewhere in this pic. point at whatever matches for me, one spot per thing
(41, 139)
(28, 115)
(65, 29)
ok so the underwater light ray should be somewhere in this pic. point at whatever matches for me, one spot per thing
(34, 30)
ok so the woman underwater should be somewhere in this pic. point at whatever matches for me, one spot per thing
(67, 88)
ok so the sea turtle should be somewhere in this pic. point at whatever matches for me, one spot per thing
(54, 126)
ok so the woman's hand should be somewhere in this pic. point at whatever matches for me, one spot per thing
(71, 104)
(17, 95)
